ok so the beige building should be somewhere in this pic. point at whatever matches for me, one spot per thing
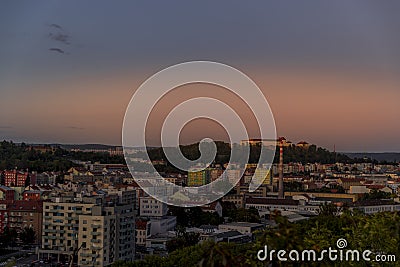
(97, 233)
(261, 191)
(238, 200)
(150, 207)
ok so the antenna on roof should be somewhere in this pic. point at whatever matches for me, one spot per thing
(334, 151)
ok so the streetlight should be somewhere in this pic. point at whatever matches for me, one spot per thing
(97, 254)
(75, 252)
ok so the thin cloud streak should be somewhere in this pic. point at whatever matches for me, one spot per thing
(75, 128)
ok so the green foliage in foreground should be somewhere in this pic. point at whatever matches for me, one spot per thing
(379, 233)
(183, 239)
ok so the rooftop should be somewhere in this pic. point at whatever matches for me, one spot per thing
(243, 224)
(271, 201)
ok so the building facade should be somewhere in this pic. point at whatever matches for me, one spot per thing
(15, 178)
(95, 232)
(20, 214)
(150, 207)
(199, 178)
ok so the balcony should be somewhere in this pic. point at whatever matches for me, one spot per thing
(95, 240)
(55, 210)
(95, 233)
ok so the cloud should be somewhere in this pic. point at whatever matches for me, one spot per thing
(75, 128)
(55, 26)
(60, 37)
(5, 127)
(59, 50)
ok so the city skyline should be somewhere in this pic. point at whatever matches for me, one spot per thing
(331, 78)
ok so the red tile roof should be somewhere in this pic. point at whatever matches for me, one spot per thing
(24, 205)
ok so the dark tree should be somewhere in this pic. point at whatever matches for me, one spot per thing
(28, 235)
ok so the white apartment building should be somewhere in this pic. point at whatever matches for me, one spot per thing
(150, 207)
(88, 230)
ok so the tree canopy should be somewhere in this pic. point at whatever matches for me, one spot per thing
(379, 233)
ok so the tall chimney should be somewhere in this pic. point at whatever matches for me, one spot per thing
(280, 186)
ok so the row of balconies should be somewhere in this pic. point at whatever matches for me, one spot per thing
(49, 230)
(51, 237)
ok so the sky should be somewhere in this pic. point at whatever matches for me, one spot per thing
(329, 70)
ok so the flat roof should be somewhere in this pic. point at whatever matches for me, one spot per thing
(243, 224)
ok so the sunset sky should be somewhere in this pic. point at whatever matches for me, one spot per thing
(329, 70)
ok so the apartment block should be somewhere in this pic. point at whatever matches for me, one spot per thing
(199, 177)
(20, 214)
(15, 178)
(89, 230)
(150, 207)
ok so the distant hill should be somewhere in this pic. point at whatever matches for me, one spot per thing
(85, 146)
(312, 154)
(386, 156)
(21, 156)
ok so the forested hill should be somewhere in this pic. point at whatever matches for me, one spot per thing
(22, 157)
(312, 154)
(381, 157)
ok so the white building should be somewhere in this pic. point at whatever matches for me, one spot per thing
(150, 207)
(245, 228)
